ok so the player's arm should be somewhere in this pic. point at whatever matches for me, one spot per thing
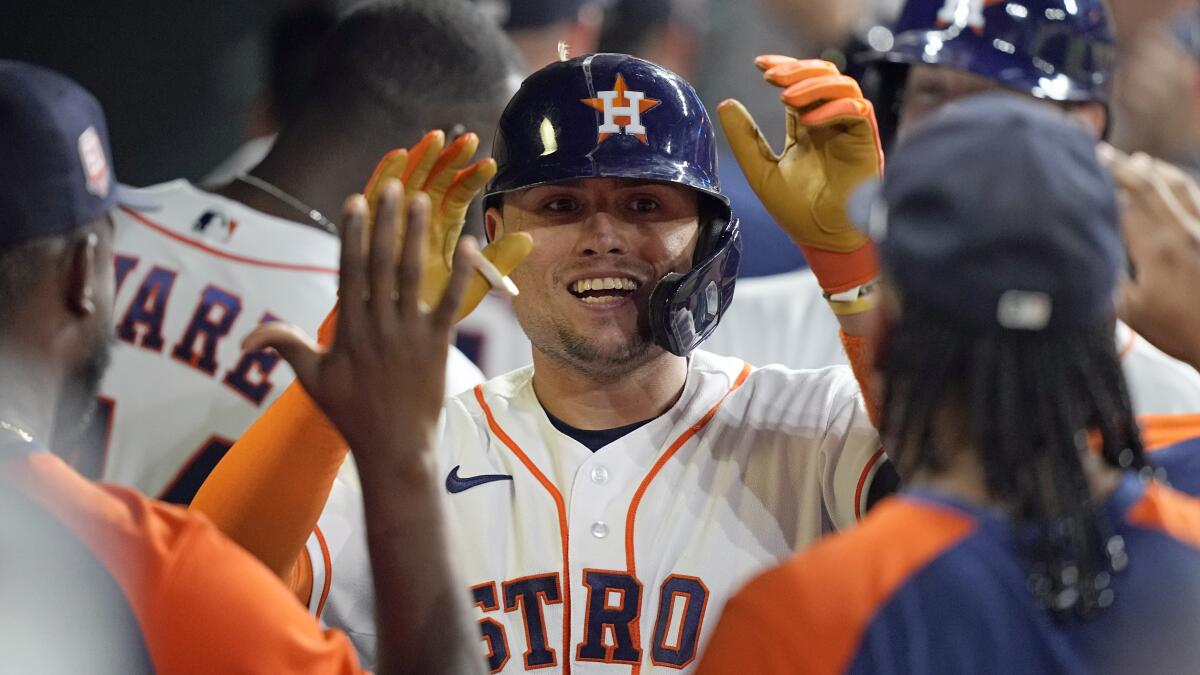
(832, 147)
(268, 491)
(1161, 223)
(270, 488)
(386, 335)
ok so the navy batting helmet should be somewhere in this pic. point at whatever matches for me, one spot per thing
(1056, 49)
(1061, 50)
(616, 116)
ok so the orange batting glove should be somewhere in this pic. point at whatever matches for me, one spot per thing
(832, 146)
(442, 172)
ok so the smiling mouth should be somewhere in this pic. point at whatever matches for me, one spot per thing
(603, 290)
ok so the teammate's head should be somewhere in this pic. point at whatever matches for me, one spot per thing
(609, 163)
(293, 41)
(666, 32)
(1059, 51)
(56, 268)
(537, 27)
(393, 69)
(996, 356)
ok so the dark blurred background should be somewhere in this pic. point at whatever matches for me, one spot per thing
(177, 79)
(185, 84)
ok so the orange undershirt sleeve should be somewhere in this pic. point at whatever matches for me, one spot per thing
(860, 363)
(270, 488)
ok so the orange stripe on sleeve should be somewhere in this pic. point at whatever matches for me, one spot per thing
(816, 607)
(868, 471)
(328, 562)
(1168, 511)
(1160, 431)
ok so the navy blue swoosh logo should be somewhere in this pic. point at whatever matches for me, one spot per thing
(456, 483)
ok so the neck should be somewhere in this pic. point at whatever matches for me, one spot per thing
(29, 396)
(321, 185)
(581, 401)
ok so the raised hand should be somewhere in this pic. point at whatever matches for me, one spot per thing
(832, 147)
(445, 174)
(381, 382)
(1161, 224)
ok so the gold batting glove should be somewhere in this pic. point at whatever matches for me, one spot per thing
(832, 146)
(442, 172)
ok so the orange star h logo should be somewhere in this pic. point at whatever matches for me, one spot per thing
(622, 111)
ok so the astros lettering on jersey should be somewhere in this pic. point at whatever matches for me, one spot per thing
(595, 562)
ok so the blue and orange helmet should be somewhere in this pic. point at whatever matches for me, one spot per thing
(1062, 50)
(617, 116)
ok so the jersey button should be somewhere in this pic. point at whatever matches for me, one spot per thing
(599, 475)
(599, 530)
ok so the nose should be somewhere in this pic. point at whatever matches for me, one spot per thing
(603, 235)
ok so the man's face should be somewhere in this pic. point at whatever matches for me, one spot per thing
(600, 245)
(931, 87)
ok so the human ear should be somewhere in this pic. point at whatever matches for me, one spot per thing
(493, 223)
(82, 263)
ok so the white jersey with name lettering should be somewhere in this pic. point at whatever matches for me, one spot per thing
(593, 562)
(194, 276)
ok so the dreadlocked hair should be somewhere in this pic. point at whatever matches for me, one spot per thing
(1031, 402)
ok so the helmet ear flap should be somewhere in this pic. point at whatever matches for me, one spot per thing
(714, 219)
(686, 308)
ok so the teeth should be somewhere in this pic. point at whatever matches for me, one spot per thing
(601, 299)
(605, 283)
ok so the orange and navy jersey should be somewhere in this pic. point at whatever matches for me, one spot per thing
(153, 587)
(928, 584)
(1182, 463)
(1173, 443)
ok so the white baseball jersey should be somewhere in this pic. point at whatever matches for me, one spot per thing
(783, 319)
(593, 562)
(1158, 384)
(194, 276)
